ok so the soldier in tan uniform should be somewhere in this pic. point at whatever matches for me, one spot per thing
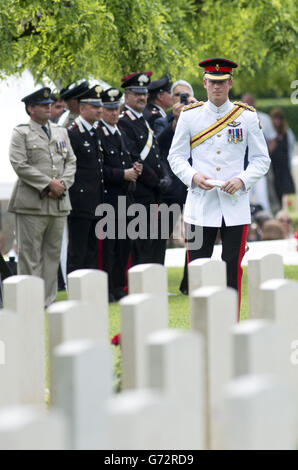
(43, 159)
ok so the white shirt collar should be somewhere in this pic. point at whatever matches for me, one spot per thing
(112, 129)
(162, 111)
(224, 108)
(138, 115)
(87, 124)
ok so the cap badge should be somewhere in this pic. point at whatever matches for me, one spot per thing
(46, 94)
(112, 94)
(217, 67)
(98, 90)
(143, 79)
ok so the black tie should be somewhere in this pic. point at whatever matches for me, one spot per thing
(44, 128)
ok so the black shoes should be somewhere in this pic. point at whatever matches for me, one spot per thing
(117, 295)
(184, 291)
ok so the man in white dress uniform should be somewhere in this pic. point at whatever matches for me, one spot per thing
(215, 134)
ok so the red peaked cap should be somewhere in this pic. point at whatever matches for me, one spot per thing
(217, 68)
(134, 74)
(137, 82)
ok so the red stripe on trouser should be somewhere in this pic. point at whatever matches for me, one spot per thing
(100, 247)
(128, 266)
(100, 256)
(187, 253)
(239, 268)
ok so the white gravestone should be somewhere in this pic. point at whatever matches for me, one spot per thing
(9, 358)
(259, 414)
(150, 279)
(141, 314)
(70, 320)
(175, 367)
(259, 270)
(142, 420)
(82, 384)
(279, 302)
(206, 272)
(256, 348)
(213, 313)
(25, 296)
(91, 286)
(30, 428)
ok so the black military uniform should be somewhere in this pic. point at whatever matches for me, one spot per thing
(153, 181)
(4, 273)
(152, 110)
(87, 191)
(71, 92)
(115, 250)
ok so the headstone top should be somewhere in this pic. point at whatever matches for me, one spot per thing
(250, 326)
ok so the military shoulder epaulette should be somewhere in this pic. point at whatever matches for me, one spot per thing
(244, 105)
(21, 125)
(130, 115)
(105, 131)
(72, 126)
(193, 105)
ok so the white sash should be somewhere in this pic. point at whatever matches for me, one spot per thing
(144, 153)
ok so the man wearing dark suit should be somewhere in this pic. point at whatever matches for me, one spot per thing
(144, 148)
(70, 96)
(159, 100)
(120, 176)
(87, 191)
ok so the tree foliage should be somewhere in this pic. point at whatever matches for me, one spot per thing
(106, 39)
(260, 35)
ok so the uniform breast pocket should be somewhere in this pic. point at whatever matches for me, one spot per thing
(34, 152)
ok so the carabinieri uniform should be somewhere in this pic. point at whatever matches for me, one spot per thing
(150, 185)
(116, 250)
(87, 191)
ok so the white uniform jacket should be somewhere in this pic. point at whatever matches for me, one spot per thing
(218, 159)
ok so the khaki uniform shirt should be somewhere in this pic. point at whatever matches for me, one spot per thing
(36, 160)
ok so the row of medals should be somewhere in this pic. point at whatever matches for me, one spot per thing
(235, 135)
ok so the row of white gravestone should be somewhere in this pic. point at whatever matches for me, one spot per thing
(220, 385)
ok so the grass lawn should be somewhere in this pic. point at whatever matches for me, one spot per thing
(178, 308)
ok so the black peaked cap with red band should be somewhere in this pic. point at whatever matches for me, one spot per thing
(218, 69)
(137, 82)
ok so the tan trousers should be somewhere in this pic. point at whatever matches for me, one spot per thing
(39, 240)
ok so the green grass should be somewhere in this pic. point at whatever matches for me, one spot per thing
(178, 309)
(179, 304)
